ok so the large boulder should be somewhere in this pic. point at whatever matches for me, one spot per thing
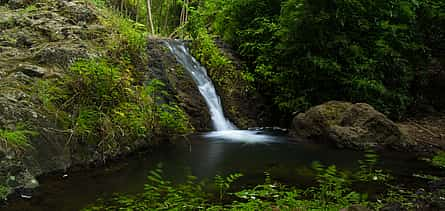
(356, 126)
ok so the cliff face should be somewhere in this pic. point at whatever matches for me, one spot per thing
(39, 40)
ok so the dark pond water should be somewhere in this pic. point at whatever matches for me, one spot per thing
(204, 156)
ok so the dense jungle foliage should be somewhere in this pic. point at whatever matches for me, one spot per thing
(305, 52)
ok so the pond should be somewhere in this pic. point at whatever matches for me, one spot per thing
(203, 155)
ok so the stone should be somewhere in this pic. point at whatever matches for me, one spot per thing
(31, 70)
(16, 4)
(63, 56)
(79, 12)
(357, 126)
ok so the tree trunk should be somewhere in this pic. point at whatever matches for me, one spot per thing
(149, 17)
(137, 9)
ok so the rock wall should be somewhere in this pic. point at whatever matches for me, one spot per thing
(180, 85)
(39, 40)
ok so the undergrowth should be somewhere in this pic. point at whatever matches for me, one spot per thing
(221, 69)
(16, 139)
(334, 190)
(439, 160)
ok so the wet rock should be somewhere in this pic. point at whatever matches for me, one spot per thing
(7, 20)
(79, 12)
(13, 174)
(356, 126)
(16, 4)
(61, 55)
(165, 68)
(24, 40)
(31, 70)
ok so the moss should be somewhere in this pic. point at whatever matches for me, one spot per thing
(333, 111)
(16, 139)
(439, 159)
(4, 192)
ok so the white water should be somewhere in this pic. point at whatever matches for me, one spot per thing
(204, 83)
(243, 136)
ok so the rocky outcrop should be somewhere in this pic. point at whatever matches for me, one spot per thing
(356, 126)
(179, 84)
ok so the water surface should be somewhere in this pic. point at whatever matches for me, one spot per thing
(204, 155)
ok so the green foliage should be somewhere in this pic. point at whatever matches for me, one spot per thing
(399, 195)
(302, 52)
(369, 171)
(332, 192)
(223, 183)
(28, 9)
(16, 139)
(333, 188)
(49, 92)
(204, 50)
(99, 83)
(173, 119)
(112, 107)
(4, 191)
(439, 160)
(129, 38)
(134, 118)
(161, 194)
(103, 100)
(108, 107)
(165, 13)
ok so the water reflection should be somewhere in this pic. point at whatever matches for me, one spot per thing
(205, 155)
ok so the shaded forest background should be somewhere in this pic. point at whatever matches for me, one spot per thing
(299, 53)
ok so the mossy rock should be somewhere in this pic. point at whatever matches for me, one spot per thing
(356, 126)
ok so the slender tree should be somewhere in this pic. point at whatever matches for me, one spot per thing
(150, 18)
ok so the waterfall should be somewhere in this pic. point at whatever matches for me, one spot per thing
(204, 83)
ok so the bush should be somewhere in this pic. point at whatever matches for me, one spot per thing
(16, 139)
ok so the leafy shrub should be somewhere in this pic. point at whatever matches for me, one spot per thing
(4, 191)
(16, 139)
(439, 160)
(173, 119)
(369, 171)
(332, 193)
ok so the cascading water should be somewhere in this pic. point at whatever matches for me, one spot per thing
(225, 130)
(204, 83)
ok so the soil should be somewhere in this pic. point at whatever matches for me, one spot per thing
(427, 131)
